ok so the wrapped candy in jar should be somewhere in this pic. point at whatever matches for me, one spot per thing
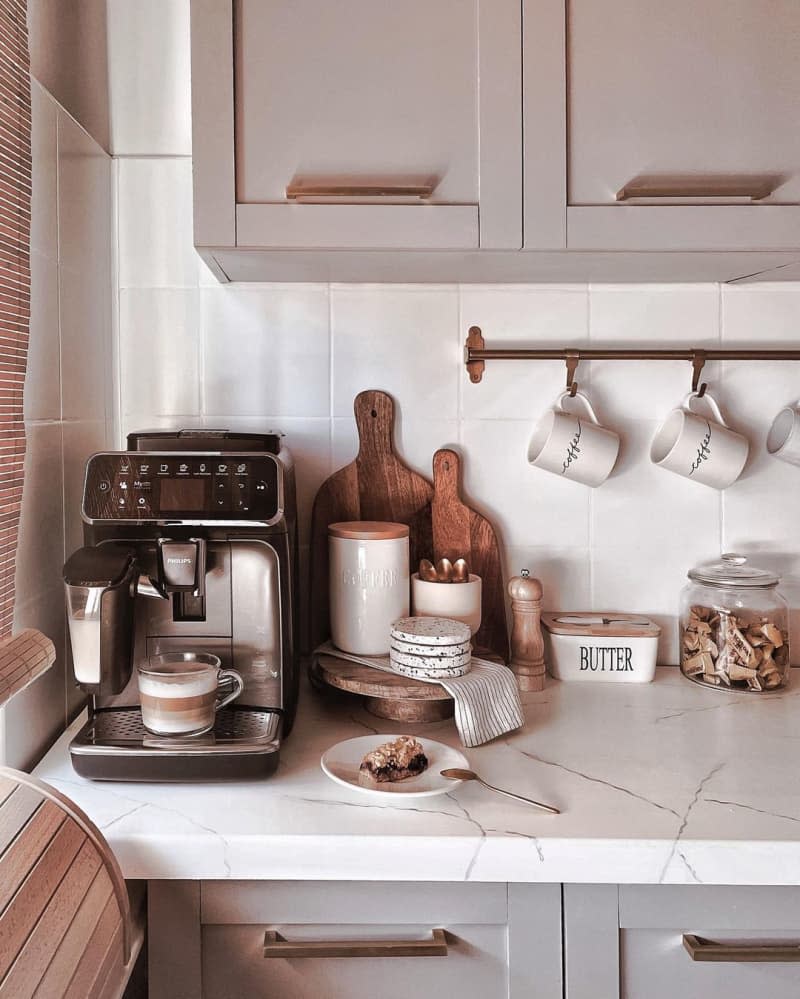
(734, 627)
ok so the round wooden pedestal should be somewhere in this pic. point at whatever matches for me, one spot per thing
(386, 695)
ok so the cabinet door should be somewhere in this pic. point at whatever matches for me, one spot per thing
(234, 965)
(503, 942)
(655, 963)
(682, 124)
(359, 102)
(627, 942)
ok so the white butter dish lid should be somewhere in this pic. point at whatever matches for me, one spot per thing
(600, 624)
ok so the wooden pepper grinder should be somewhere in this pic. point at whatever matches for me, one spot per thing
(527, 644)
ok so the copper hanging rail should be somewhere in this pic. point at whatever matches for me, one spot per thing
(476, 354)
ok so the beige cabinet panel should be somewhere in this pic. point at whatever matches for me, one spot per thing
(682, 87)
(358, 87)
(233, 965)
(364, 91)
(503, 941)
(655, 965)
(626, 941)
(699, 101)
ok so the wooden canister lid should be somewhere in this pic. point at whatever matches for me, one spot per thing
(368, 530)
(600, 624)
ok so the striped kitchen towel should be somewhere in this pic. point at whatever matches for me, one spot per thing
(487, 702)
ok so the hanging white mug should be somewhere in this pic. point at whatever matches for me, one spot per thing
(572, 445)
(783, 439)
(700, 448)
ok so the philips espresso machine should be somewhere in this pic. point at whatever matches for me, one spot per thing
(190, 546)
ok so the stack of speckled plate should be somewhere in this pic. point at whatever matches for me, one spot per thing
(432, 648)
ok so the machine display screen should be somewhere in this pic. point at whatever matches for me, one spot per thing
(187, 495)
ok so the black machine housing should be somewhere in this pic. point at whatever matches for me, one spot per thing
(225, 504)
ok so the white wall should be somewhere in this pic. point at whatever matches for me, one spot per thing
(69, 58)
(67, 400)
(193, 352)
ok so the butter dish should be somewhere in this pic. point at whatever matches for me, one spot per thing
(601, 646)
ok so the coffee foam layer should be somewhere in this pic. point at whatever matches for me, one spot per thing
(166, 689)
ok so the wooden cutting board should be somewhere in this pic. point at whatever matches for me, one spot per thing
(377, 485)
(461, 532)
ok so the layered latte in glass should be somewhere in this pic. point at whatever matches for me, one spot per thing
(181, 692)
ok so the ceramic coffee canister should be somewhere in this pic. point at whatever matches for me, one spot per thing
(368, 583)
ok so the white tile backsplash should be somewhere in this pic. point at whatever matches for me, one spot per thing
(764, 315)
(85, 346)
(84, 205)
(404, 340)
(265, 350)
(519, 314)
(565, 573)
(80, 441)
(159, 349)
(68, 382)
(40, 550)
(155, 223)
(44, 173)
(641, 503)
(149, 92)
(527, 505)
(296, 355)
(652, 315)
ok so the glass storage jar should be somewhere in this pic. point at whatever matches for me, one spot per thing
(734, 627)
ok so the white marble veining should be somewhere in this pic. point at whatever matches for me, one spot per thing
(661, 783)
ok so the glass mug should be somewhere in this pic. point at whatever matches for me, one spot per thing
(180, 692)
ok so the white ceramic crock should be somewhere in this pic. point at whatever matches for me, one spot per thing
(368, 583)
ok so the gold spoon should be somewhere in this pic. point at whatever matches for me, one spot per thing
(427, 571)
(456, 773)
(460, 571)
(444, 570)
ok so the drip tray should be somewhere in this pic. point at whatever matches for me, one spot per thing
(114, 745)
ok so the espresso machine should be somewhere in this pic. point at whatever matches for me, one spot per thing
(190, 546)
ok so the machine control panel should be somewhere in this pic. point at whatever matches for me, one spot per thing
(143, 486)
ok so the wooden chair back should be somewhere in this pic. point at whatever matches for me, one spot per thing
(65, 920)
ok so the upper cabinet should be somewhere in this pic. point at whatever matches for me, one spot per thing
(362, 124)
(495, 140)
(682, 124)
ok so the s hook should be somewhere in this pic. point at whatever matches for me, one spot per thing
(698, 361)
(573, 358)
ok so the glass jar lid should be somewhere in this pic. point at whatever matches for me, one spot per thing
(733, 571)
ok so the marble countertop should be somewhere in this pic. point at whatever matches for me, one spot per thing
(658, 783)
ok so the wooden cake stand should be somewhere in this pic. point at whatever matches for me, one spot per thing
(386, 695)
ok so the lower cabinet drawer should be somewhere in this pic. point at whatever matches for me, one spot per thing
(741, 964)
(703, 941)
(235, 964)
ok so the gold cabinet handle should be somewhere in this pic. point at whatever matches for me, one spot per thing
(754, 188)
(276, 945)
(359, 189)
(700, 949)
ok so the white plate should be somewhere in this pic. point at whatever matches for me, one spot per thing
(341, 763)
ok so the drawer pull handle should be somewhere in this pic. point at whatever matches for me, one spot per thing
(276, 945)
(700, 949)
(753, 188)
(299, 189)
